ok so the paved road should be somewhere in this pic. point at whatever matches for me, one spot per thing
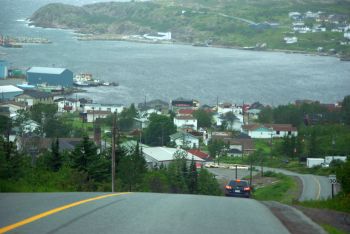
(138, 213)
(314, 187)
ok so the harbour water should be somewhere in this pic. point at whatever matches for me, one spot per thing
(157, 71)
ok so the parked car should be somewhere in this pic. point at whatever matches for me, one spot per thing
(238, 188)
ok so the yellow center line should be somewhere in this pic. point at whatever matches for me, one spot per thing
(53, 211)
(319, 188)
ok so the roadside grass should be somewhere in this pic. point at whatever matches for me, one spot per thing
(284, 191)
(332, 230)
(340, 203)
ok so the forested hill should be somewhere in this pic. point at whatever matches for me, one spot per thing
(223, 22)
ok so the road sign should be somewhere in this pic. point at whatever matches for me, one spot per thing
(332, 179)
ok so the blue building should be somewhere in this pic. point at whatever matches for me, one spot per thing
(50, 76)
(3, 69)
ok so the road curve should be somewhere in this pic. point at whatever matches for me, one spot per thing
(138, 213)
(314, 187)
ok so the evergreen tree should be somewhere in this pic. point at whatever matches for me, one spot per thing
(346, 109)
(85, 159)
(56, 159)
(133, 168)
(192, 181)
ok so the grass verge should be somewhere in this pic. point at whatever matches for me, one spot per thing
(340, 203)
(284, 191)
(332, 230)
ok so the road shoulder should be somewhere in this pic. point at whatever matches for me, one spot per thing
(294, 220)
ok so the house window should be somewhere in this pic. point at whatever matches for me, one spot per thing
(289, 133)
(277, 132)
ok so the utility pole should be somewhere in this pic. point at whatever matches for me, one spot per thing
(113, 150)
(236, 171)
(251, 171)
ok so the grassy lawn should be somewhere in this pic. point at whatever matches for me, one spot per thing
(284, 191)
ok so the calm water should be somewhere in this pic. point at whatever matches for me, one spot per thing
(171, 71)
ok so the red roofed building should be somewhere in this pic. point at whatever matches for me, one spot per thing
(200, 154)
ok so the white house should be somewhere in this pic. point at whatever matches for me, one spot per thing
(156, 156)
(92, 115)
(267, 131)
(103, 107)
(185, 122)
(14, 107)
(68, 105)
(224, 108)
(184, 139)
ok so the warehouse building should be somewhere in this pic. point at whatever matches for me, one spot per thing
(3, 69)
(8, 92)
(50, 76)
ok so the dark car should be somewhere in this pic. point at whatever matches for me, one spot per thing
(238, 188)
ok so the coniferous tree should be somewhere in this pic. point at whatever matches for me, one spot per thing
(192, 181)
(56, 159)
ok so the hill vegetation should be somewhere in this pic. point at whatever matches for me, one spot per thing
(222, 23)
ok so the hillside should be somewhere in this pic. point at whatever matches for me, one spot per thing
(220, 22)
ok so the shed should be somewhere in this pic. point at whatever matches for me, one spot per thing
(50, 76)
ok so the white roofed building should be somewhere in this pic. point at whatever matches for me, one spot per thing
(8, 92)
(156, 156)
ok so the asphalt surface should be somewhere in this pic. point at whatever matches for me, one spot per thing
(138, 213)
(314, 187)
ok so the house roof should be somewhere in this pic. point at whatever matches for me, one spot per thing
(185, 112)
(199, 153)
(166, 154)
(181, 135)
(185, 117)
(46, 70)
(35, 94)
(275, 127)
(9, 89)
(98, 112)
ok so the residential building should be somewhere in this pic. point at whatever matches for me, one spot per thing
(185, 140)
(32, 97)
(103, 107)
(50, 76)
(68, 104)
(267, 131)
(42, 144)
(9, 92)
(185, 122)
(157, 104)
(92, 115)
(13, 107)
(184, 104)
